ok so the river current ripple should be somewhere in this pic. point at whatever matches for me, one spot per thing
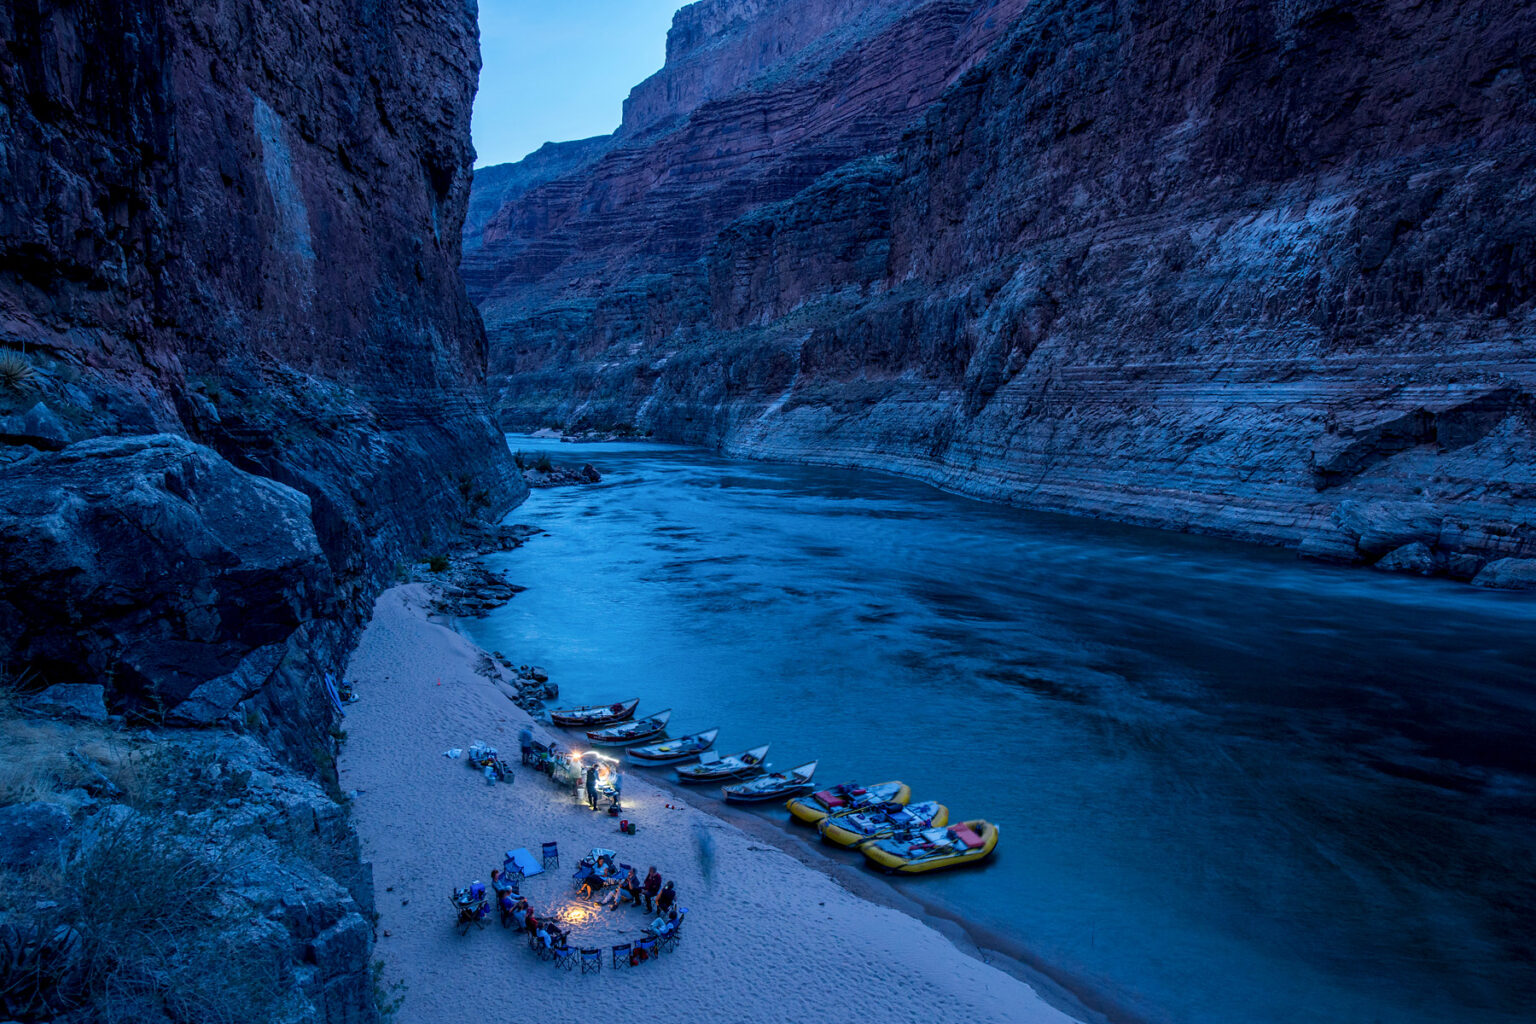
(1233, 788)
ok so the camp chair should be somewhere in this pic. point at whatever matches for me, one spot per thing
(621, 954)
(668, 940)
(551, 855)
(648, 947)
(565, 957)
(540, 950)
(591, 960)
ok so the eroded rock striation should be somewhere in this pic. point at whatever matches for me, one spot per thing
(240, 380)
(1250, 268)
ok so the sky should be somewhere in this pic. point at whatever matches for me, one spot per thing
(560, 69)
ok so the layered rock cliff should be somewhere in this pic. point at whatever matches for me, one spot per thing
(240, 381)
(1258, 269)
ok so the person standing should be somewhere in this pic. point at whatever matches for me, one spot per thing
(592, 786)
(525, 741)
(618, 787)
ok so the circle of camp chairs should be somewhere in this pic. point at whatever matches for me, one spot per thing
(622, 955)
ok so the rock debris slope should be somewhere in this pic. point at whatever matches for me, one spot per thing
(1258, 269)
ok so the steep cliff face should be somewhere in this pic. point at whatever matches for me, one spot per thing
(1259, 269)
(236, 225)
(240, 382)
(757, 102)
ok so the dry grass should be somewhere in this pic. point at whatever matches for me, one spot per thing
(150, 937)
(51, 761)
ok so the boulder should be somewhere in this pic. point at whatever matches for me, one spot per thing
(38, 427)
(1380, 526)
(1415, 558)
(75, 700)
(31, 833)
(153, 562)
(1508, 574)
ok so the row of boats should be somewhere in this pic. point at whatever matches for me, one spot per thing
(880, 821)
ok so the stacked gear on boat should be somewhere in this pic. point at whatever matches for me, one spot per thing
(880, 821)
(846, 798)
(933, 849)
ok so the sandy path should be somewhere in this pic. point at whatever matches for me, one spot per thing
(767, 940)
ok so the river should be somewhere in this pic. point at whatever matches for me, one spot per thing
(1233, 788)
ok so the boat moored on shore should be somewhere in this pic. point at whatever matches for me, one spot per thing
(723, 769)
(594, 714)
(632, 731)
(845, 798)
(934, 849)
(673, 751)
(772, 786)
(881, 821)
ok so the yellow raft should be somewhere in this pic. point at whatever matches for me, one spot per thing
(866, 826)
(845, 799)
(936, 848)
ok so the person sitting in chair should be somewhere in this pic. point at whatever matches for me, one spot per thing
(666, 898)
(630, 887)
(520, 914)
(652, 887)
(542, 936)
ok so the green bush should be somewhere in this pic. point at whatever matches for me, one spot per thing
(438, 563)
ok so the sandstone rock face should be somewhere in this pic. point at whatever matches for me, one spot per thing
(1256, 269)
(228, 263)
(240, 380)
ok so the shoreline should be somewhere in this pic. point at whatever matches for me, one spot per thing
(980, 943)
(770, 937)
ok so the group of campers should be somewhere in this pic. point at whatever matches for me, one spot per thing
(598, 880)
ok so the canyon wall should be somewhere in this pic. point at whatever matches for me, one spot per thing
(240, 380)
(1251, 268)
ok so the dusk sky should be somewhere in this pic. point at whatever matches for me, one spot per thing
(558, 71)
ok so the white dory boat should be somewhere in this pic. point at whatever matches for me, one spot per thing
(713, 768)
(680, 749)
(771, 786)
(631, 732)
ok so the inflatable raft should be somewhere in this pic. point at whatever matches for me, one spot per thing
(934, 849)
(882, 821)
(845, 798)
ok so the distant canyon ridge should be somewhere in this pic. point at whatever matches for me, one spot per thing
(1256, 269)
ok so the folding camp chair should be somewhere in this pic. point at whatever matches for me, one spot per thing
(551, 855)
(565, 957)
(648, 947)
(591, 961)
(668, 942)
(621, 954)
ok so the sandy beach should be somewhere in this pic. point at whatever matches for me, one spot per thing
(768, 939)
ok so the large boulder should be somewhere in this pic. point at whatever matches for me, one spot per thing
(74, 700)
(152, 564)
(1508, 574)
(31, 833)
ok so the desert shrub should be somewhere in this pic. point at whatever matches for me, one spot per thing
(542, 463)
(438, 563)
(131, 926)
(15, 372)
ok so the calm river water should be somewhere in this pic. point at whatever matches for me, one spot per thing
(1232, 787)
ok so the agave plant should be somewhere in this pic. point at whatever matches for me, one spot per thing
(15, 371)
